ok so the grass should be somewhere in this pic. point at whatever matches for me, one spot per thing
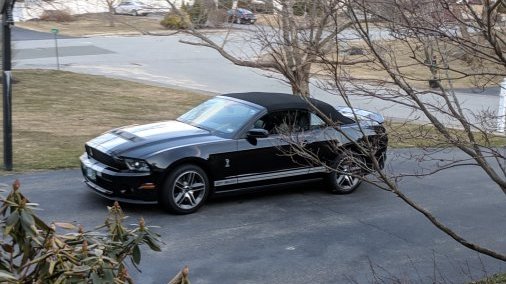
(495, 279)
(410, 135)
(407, 57)
(56, 112)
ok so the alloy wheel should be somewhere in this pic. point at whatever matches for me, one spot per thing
(348, 173)
(188, 190)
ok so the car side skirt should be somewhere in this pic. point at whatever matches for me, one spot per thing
(269, 176)
(254, 188)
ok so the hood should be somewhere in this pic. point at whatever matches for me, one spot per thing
(140, 141)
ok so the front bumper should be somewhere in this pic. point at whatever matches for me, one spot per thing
(123, 186)
(248, 20)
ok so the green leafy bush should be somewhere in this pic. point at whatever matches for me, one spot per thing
(300, 8)
(35, 252)
(174, 20)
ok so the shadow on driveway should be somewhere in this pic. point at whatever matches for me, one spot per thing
(20, 34)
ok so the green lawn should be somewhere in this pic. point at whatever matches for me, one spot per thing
(56, 112)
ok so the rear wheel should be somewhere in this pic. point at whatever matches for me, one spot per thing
(347, 174)
(185, 190)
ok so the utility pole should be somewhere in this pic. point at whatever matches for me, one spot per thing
(55, 33)
(501, 112)
(7, 22)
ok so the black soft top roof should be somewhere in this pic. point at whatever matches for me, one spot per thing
(280, 101)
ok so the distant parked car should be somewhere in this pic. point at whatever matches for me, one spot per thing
(241, 16)
(134, 8)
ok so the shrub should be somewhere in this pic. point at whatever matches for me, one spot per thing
(35, 252)
(354, 50)
(56, 16)
(173, 20)
(198, 13)
(299, 8)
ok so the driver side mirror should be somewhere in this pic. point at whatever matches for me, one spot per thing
(258, 133)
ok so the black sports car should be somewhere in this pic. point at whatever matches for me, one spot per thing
(231, 142)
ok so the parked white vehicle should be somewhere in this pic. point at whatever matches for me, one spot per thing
(136, 8)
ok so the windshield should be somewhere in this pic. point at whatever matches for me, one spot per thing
(220, 115)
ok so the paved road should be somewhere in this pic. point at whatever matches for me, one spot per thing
(164, 61)
(305, 235)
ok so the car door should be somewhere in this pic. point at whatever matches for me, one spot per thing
(271, 159)
(322, 141)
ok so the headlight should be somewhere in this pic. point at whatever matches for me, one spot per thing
(137, 165)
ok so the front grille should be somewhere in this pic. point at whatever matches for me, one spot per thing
(104, 158)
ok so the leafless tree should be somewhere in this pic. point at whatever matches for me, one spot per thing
(111, 5)
(446, 43)
(289, 43)
(431, 43)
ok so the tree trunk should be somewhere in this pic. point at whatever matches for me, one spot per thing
(300, 83)
(301, 87)
(110, 16)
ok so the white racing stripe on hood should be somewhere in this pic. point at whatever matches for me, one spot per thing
(106, 141)
(138, 133)
(152, 129)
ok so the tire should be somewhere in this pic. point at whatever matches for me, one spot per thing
(347, 175)
(185, 190)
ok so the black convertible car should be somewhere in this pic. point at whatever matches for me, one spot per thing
(233, 142)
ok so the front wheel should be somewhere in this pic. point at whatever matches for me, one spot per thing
(347, 174)
(185, 190)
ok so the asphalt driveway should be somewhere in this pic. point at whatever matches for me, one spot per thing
(305, 235)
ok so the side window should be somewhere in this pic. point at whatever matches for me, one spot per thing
(285, 121)
(315, 122)
(271, 122)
